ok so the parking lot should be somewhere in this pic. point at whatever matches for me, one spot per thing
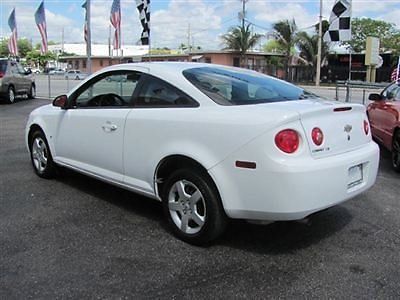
(76, 237)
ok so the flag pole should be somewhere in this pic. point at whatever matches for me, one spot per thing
(350, 62)
(398, 72)
(149, 34)
(89, 39)
(319, 58)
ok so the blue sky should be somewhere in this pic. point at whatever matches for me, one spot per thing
(208, 19)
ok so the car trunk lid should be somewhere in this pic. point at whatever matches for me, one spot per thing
(342, 125)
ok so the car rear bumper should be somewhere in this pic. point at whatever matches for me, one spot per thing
(278, 190)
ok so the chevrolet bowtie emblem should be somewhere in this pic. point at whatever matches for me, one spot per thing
(348, 128)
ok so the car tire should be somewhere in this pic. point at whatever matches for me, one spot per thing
(10, 95)
(396, 151)
(41, 158)
(32, 92)
(192, 206)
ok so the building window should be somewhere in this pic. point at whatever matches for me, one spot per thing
(77, 64)
(236, 62)
(110, 62)
(208, 60)
(84, 64)
(101, 62)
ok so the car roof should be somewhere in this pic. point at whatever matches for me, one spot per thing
(167, 66)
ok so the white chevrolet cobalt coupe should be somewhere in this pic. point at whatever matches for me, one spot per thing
(210, 142)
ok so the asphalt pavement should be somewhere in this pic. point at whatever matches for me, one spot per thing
(76, 237)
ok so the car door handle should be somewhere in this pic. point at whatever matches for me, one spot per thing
(109, 127)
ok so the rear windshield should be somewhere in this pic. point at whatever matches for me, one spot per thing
(3, 66)
(228, 87)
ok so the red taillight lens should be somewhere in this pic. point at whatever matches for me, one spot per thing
(287, 140)
(1, 75)
(366, 127)
(317, 136)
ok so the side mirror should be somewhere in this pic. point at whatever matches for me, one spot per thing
(61, 101)
(375, 97)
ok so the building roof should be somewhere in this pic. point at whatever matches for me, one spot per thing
(99, 49)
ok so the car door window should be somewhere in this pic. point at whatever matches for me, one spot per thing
(390, 92)
(158, 93)
(110, 90)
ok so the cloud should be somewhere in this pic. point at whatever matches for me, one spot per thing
(274, 12)
(170, 26)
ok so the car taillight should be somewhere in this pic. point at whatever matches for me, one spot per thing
(366, 127)
(1, 75)
(317, 136)
(287, 140)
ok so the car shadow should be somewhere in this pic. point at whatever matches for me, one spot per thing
(276, 237)
(114, 195)
(288, 236)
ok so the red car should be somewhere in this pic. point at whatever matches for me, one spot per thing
(384, 117)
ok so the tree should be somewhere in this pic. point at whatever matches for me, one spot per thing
(386, 32)
(24, 46)
(37, 58)
(308, 46)
(285, 34)
(241, 39)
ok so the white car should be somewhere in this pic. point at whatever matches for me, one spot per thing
(210, 142)
(75, 74)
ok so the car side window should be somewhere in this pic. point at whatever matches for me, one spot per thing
(158, 93)
(397, 94)
(115, 89)
(390, 92)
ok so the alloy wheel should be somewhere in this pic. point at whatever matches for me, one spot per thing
(11, 95)
(396, 151)
(187, 206)
(39, 154)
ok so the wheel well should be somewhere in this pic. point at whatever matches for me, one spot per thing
(174, 162)
(32, 129)
(11, 86)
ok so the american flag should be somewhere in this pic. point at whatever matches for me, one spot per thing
(115, 19)
(12, 42)
(396, 73)
(143, 7)
(40, 19)
(85, 27)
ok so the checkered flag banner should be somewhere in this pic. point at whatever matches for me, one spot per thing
(143, 7)
(339, 22)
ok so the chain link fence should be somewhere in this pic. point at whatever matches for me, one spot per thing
(51, 86)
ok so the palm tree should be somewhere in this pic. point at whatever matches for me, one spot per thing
(240, 39)
(308, 46)
(285, 34)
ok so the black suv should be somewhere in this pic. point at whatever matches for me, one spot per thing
(14, 80)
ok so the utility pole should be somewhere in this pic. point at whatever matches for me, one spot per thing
(89, 40)
(243, 12)
(62, 40)
(319, 58)
(188, 39)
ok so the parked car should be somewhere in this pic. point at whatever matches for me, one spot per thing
(56, 72)
(210, 142)
(14, 81)
(36, 70)
(384, 117)
(75, 74)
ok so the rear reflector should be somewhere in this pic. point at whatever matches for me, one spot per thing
(245, 164)
(339, 109)
(317, 136)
